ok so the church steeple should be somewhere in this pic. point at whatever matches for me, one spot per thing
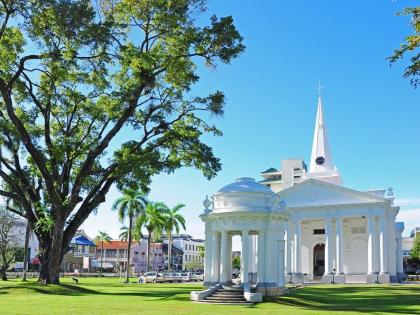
(321, 165)
(321, 159)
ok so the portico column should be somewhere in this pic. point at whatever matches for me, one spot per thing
(280, 267)
(298, 248)
(223, 257)
(288, 250)
(208, 255)
(215, 271)
(339, 245)
(329, 241)
(261, 257)
(371, 237)
(229, 258)
(245, 257)
(383, 245)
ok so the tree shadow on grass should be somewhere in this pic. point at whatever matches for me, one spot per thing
(158, 293)
(385, 299)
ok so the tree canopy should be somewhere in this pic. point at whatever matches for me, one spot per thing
(97, 93)
(411, 47)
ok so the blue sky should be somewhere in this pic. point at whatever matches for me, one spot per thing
(372, 113)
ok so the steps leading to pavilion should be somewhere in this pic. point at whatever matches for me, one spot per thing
(227, 295)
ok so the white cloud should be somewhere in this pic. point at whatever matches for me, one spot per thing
(408, 202)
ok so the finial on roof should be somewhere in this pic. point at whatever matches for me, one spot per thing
(319, 88)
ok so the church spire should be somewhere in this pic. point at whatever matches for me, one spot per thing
(321, 159)
(322, 166)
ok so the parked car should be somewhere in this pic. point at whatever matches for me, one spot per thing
(199, 276)
(176, 276)
(168, 276)
(151, 277)
(186, 276)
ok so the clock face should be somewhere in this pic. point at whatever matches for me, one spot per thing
(320, 160)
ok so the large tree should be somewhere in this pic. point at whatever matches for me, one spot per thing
(410, 47)
(97, 93)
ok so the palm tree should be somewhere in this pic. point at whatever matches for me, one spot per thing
(131, 205)
(173, 220)
(102, 237)
(154, 222)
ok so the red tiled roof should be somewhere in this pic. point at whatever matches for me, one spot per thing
(114, 244)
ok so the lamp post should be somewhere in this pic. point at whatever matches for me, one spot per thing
(333, 279)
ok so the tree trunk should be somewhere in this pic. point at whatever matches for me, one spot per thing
(102, 257)
(169, 251)
(127, 275)
(52, 256)
(25, 254)
(3, 273)
(148, 252)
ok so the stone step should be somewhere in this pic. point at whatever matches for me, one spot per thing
(229, 293)
(224, 302)
(215, 297)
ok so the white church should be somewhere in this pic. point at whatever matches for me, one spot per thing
(302, 226)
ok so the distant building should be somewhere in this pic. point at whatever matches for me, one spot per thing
(115, 255)
(18, 232)
(81, 253)
(139, 256)
(407, 244)
(290, 173)
(189, 246)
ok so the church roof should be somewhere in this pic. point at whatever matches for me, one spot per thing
(314, 193)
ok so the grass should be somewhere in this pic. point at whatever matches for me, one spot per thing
(109, 296)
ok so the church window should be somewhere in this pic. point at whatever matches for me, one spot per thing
(297, 177)
(319, 231)
(296, 169)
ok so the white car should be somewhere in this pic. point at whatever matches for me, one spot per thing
(176, 276)
(152, 277)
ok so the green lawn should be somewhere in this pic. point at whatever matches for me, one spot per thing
(109, 296)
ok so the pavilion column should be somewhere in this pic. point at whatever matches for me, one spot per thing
(298, 248)
(245, 257)
(383, 245)
(288, 250)
(261, 257)
(223, 257)
(329, 241)
(371, 244)
(208, 256)
(280, 253)
(229, 259)
(339, 245)
(215, 271)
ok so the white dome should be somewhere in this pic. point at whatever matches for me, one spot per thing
(245, 184)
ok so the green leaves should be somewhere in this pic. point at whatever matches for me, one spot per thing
(410, 47)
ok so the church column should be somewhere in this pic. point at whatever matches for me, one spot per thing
(245, 257)
(329, 241)
(288, 250)
(223, 257)
(215, 271)
(298, 248)
(339, 245)
(383, 245)
(261, 257)
(208, 255)
(371, 244)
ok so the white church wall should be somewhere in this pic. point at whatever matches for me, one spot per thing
(355, 244)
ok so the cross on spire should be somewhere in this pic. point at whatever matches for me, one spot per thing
(319, 87)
